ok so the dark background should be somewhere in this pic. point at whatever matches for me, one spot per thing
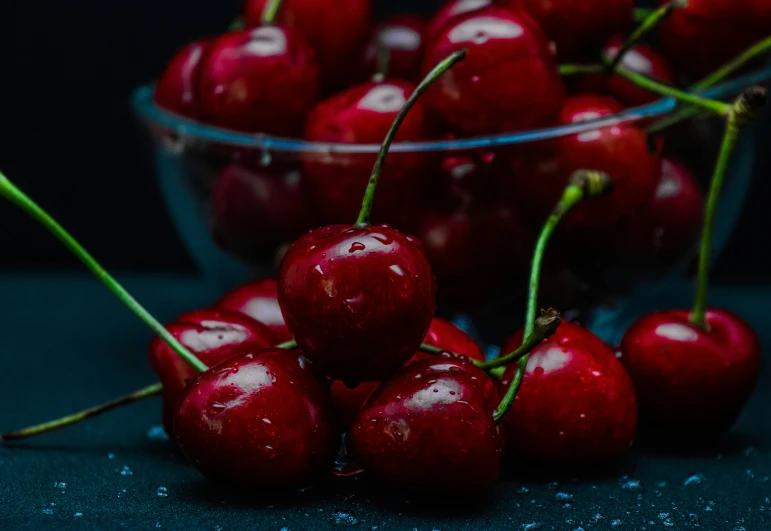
(68, 137)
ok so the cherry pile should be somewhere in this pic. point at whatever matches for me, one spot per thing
(345, 345)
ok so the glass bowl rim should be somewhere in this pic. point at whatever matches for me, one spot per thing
(188, 129)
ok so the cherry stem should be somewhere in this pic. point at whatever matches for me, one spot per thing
(10, 192)
(583, 184)
(289, 345)
(650, 23)
(270, 11)
(743, 112)
(436, 73)
(383, 61)
(544, 327)
(642, 13)
(32, 431)
(574, 69)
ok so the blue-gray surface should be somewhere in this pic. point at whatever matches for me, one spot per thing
(66, 344)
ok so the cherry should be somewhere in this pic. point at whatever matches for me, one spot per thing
(641, 59)
(336, 29)
(177, 88)
(263, 79)
(431, 428)
(576, 406)
(509, 81)
(690, 379)
(214, 336)
(258, 300)
(362, 115)
(255, 209)
(620, 150)
(715, 30)
(258, 420)
(402, 38)
(580, 28)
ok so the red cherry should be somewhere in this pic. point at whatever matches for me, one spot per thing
(254, 209)
(579, 28)
(402, 36)
(213, 336)
(690, 379)
(641, 59)
(576, 406)
(508, 82)
(363, 114)
(260, 80)
(258, 420)
(336, 29)
(358, 300)
(258, 300)
(442, 334)
(716, 31)
(177, 88)
(431, 428)
(450, 13)
(622, 151)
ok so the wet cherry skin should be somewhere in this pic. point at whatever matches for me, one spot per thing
(508, 81)
(177, 88)
(580, 28)
(261, 419)
(363, 114)
(430, 428)
(641, 59)
(336, 29)
(213, 336)
(689, 379)
(442, 334)
(358, 300)
(576, 406)
(402, 36)
(621, 151)
(258, 300)
(716, 31)
(263, 80)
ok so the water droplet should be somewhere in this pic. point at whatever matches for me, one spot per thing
(110, 456)
(693, 518)
(749, 473)
(344, 519)
(563, 496)
(121, 493)
(61, 485)
(373, 528)
(125, 471)
(78, 515)
(632, 485)
(616, 523)
(162, 492)
(666, 520)
(553, 485)
(523, 490)
(356, 247)
(532, 526)
(265, 159)
(695, 479)
(662, 484)
(157, 433)
(284, 529)
(48, 511)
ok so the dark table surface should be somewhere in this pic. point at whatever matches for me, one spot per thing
(65, 344)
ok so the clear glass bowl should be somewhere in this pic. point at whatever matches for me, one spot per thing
(236, 223)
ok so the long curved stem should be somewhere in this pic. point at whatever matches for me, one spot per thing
(10, 192)
(270, 11)
(743, 112)
(32, 431)
(436, 73)
(544, 327)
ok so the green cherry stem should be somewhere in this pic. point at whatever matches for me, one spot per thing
(743, 112)
(436, 73)
(10, 192)
(577, 69)
(642, 13)
(383, 61)
(583, 184)
(40, 429)
(270, 11)
(650, 23)
(544, 327)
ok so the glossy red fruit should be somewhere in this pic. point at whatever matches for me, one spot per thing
(622, 151)
(576, 407)
(336, 29)
(580, 28)
(402, 37)
(177, 88)
(641, 59)
(690, 380)
(258, 420)
(255, 209)
(258, 300)
(431, 428)
(716, 31)
(259, 80)
(363, 115)
(358, 300)
(213, 336)
(441, 334)
(508, 81)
